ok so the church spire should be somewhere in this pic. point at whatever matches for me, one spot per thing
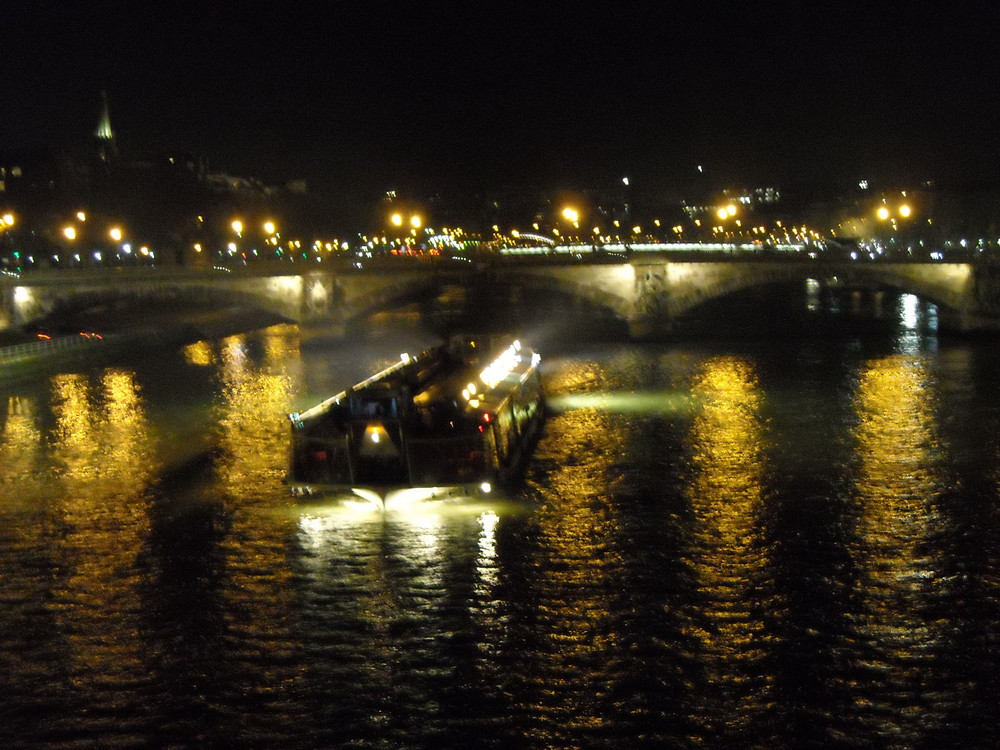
(106, 149)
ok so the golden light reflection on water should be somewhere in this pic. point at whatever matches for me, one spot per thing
(254, 395)
(199, 354)
(101, 446)
(897, 487)
(20, 444)
(577, 560)
(727, 440)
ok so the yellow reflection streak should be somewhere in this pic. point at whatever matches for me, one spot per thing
(101, 439)
(24, 515)
(252, 401)
(577, 531)
(726, 495)
(896, 486)
(74, 441)
(199, 353)
(20, 443)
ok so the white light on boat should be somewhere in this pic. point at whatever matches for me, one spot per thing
(485, 488)
(370, 495)
(502, 366)
(375, 432)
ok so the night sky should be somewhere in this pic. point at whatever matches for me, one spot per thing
(480, 94)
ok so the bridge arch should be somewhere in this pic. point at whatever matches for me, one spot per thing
(45, 298)
(494, 291)
(673, 290)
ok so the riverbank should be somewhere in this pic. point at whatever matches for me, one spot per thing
(113, 336)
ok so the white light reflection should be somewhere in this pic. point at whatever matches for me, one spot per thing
(486, 567)
(908, 311)
(812, 295)
(375, 499)
(912, 318)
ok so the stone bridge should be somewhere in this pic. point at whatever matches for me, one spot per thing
(650, 294)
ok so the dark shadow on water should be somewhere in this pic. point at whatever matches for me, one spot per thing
(183, 566)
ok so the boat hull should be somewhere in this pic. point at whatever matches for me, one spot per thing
(440, 423)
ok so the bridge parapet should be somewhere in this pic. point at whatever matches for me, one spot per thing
(650, 293)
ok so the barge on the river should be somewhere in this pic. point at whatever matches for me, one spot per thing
(460, 418)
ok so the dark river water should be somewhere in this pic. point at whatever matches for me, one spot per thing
(786, 538)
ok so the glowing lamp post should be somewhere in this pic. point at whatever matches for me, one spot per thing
(571, 215)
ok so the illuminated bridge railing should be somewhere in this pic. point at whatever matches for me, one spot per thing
(651, 247)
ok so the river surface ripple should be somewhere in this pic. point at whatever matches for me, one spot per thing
(757, 543)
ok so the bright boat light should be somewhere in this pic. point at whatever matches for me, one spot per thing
(375, 432)
(369, 495)
(501, 366)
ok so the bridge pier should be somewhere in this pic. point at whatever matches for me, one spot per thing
(967, 322)
(650, 328)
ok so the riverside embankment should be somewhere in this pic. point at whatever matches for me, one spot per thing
(100, 338)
